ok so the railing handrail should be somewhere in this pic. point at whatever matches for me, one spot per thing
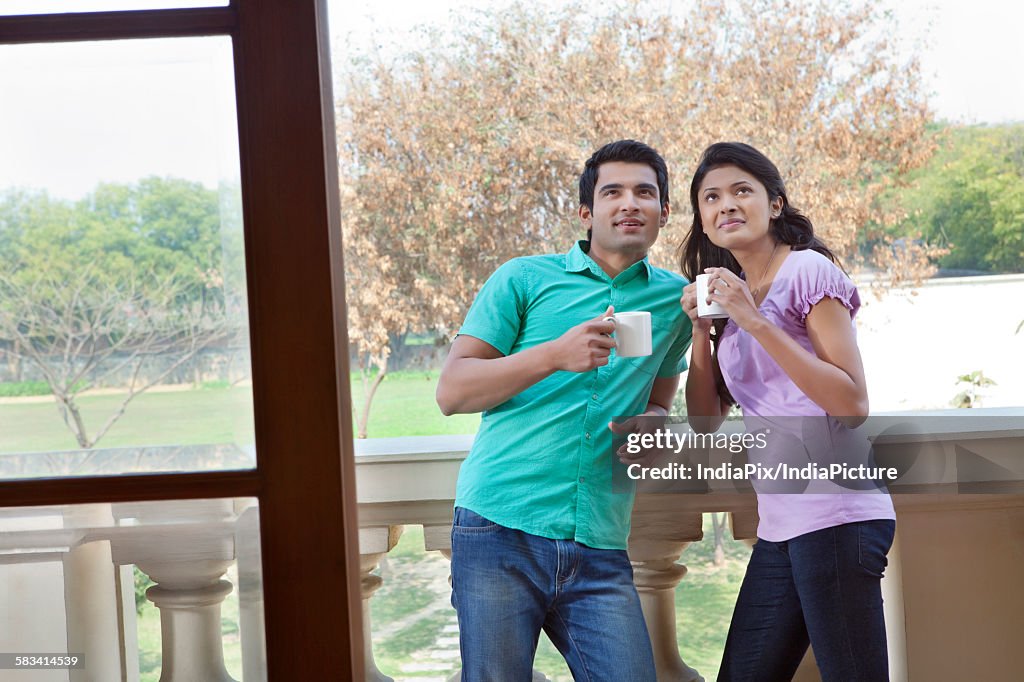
(456, 446)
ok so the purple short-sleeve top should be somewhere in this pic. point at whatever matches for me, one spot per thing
(767, 395)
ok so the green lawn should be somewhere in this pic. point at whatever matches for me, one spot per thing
(153, 418)
(403, 406)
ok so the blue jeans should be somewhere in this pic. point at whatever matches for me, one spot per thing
(822, 587)
(508, 585)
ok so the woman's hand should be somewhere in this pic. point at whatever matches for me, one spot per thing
(727, 288)
(689, 303)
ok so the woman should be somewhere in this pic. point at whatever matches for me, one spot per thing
(787, 355)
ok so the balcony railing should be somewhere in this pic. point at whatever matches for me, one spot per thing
(953, 596)
(950, 584)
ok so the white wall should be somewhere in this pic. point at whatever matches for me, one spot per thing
(916, 344)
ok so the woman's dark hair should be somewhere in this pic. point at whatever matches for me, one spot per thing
(791, 227)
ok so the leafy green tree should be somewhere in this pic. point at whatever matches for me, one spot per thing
(159, 224)
(21, 213)
(123, 286)
(970, 199)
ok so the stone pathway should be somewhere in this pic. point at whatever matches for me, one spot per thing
(440, 661)
(437, 662)
(435, 570)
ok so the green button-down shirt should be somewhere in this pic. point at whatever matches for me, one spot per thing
(542, 460)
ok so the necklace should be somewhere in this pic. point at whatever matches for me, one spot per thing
(760, 281)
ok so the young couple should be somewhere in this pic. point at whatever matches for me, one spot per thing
(539, 536)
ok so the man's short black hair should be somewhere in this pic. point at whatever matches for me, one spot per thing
(628, 151)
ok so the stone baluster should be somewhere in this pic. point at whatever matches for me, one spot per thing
(660, 534)
(189, 595)
(895, 617)
(743, 525)
(185, 547)
(374, 544)
(250, 592)
(90, 590)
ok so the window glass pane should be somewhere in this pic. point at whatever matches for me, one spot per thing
(98, 580)
(462, 130)
(14, 7)
(123, 318)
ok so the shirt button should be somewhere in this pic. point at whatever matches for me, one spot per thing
(587, 435)
(594, 396)
(583, 479)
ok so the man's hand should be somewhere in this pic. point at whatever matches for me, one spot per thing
(649, 422)
(586, 346)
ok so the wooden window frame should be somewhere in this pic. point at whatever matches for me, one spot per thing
(305, 471)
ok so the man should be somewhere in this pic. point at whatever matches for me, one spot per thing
(539, 537)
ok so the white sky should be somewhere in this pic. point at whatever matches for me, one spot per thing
(74, 115)
(116, 111)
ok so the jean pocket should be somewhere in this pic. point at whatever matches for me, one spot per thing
(468, 521)
(874, 539)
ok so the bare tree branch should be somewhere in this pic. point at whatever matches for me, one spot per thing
(81, 328)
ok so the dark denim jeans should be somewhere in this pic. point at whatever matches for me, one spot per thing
(823, 587)
(508, 585)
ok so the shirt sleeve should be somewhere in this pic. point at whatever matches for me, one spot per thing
(497, 311)
(675, 360)
(820, 278)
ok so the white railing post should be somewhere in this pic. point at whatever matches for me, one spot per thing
(895, 618)
(374, 544)
(189, 595)
(90, 596)
(250, 594)
(185, 548)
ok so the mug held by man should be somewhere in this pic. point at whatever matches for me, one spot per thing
(632, 333)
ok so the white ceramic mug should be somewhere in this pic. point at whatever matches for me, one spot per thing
(711, 310)
(632, 333)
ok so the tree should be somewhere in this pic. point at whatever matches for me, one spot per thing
(123, 287)
(464, 154)
(969, 199)
(21, 212)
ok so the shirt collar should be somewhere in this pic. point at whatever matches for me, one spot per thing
(578, 260)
